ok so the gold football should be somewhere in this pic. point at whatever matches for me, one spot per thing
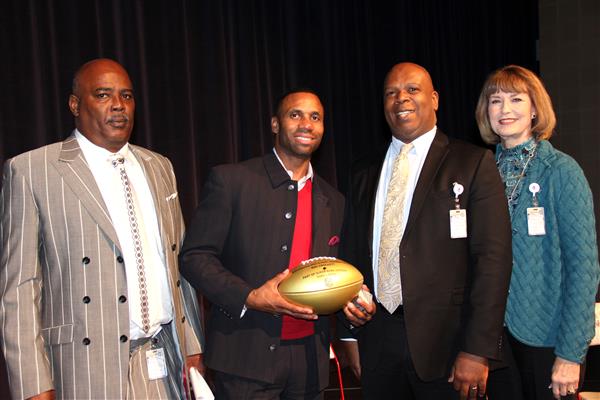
(325, 284)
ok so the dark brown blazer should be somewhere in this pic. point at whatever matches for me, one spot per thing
(240, 238)
(454, 290)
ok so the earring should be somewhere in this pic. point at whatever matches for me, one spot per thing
(533, 116)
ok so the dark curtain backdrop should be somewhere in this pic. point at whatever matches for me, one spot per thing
(206, 72)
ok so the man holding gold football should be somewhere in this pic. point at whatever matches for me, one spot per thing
(254, 219)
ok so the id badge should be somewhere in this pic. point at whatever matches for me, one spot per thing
(155, 360)
(458, 224)
(536, 225)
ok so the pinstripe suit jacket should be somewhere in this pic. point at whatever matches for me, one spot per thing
(58, 246)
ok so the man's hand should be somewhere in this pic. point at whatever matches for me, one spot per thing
(197, 362)
(565, 377)
(469, 375)
(267, 298)
(355, 315)
(49, 395)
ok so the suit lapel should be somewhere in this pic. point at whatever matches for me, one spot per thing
(436, 155)
(321, 216)
(77, 175)
(159, 190)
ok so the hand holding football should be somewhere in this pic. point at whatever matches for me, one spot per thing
(324, 283)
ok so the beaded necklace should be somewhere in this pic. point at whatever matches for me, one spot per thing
(512, 164)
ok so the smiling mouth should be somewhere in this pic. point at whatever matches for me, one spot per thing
(404, 114)
(507, 121)
(305, 139)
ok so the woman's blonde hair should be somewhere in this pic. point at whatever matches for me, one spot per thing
(516, 79)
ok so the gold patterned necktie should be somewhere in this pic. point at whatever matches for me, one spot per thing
(389, 289)
(119, 163)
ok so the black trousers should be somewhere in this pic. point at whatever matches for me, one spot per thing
(528, 374)
(297, 376)
(394, 377)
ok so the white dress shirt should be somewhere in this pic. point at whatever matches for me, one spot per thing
(416, 158)
(302, 181)
(109, 182)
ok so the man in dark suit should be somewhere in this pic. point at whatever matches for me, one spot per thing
(256, 219)
(441, 284)
(88, 303)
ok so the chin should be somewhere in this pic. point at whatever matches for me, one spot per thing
(305, 151)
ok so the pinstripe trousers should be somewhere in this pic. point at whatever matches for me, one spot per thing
(171, 386)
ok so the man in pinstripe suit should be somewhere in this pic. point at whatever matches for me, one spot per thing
(91, 302)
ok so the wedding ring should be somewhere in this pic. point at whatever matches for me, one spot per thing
(475, 387)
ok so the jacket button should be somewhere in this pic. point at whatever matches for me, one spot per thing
(86, 341)
(120, 259)
(85, 260)
(284, 248)
(288, 215)
(123, 338)
(174, 247)
(183, 319)
(178, 283)
(86, 299)
(291, 187)
(122, 299)
(272, 347)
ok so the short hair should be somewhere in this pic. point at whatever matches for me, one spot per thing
(516, 79)
(282, 97)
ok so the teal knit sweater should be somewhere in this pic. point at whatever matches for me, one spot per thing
(555, 276)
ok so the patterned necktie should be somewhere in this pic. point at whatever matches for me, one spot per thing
(118, 162)
(389, 289)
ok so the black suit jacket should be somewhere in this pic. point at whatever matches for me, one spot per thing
(454, 290)
(239, 239)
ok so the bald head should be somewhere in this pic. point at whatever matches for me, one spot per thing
(93, 67)
(409, 101)
(102, 103)
(410, 67)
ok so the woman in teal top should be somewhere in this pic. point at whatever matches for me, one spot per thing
(550, 310)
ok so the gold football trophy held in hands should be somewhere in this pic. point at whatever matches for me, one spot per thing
(324, 283)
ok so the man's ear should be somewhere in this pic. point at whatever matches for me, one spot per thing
(274, 125)
(74, 105)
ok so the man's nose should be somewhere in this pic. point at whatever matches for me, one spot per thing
(401, 96)
(117, 103)
(306, 123)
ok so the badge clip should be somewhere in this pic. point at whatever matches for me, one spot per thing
(534, 188)
(458, 189)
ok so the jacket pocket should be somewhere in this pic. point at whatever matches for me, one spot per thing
(58, 334)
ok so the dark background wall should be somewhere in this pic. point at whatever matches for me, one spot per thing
(206, 71)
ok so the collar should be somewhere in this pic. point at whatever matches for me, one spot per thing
(517, 151)
(95, 153)
(301, 181)
(421, 144)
